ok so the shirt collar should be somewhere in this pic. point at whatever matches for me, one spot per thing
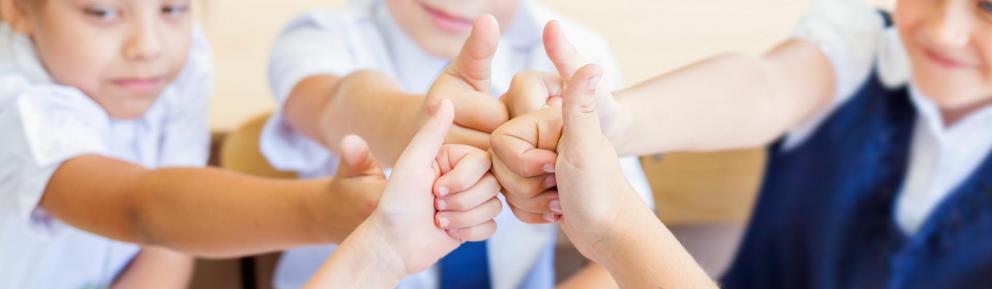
(18, 54)
(979, 121)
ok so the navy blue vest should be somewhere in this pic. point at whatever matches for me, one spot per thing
(825, 215)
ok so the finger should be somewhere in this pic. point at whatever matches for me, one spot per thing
(487, 188)
(561, 51)
(526, 144)
(540, 204)
(474, 233)
(465, 136)
(357, 159)
(422, 150)
(531, 91)
(519, 186)
(474, 60)
(468, 165)
(532, 218)
(579, 104)
(473, 109)
(475, 216)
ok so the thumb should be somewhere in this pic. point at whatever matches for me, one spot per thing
(420, 154)
(357, 159)
(474, 61)
(579, 103)
(562, 53)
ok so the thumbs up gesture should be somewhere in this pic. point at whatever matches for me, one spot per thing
(405, 233)
(466, 83)
(525, 149)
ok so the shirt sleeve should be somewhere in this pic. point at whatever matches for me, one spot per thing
(314, 44)
(848, 32)
(43, 126)
(186, 139)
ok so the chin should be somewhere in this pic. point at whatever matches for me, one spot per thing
(441, 45)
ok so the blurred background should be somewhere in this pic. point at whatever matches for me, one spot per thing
(704, 198)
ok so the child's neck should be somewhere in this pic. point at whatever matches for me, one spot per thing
(952, 116)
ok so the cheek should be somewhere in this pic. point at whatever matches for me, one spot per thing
(84, 64)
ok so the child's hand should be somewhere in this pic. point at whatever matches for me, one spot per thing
(355, 190)
(406, 216)
(593, 191)
(466, 193)
(466, 82)
(524, 148)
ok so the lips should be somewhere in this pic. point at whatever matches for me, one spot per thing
(447, 22)
(945, 61)
(138, 85)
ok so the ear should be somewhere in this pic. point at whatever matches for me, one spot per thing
(17, 14)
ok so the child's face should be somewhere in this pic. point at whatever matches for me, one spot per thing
(441, 26)
(950, 47)
(121, 53)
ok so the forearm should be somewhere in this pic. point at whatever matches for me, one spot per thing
(590, 276)
(216, 213)
(156, 268)
(366, 103)
(642, 253)
(730, 101)
(362, 261)
(200, 211)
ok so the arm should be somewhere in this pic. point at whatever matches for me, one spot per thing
(325, 108)
(590, 276)
(370, 104)
(156, 268)
(731, 101)
(201, 211)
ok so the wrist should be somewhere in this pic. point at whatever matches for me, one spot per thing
(363, 260)
(388, 261)
(619, 129)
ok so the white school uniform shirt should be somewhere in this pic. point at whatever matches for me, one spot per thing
(852, 35)
(363, 35)
(44, 124)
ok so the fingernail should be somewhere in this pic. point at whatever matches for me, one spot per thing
(555, 206)
(549, 168)
(593, 81)
(550, 217)
(442, 205)
(442, 191)
(550, 182)
(443, 222)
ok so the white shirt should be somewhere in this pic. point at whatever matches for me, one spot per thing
(852, 35)
(364, 35)
(44, 124)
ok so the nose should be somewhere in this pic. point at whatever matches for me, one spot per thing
(144, 42)
(951, 23)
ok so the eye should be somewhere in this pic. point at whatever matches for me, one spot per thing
(102, 14)
(985, 6)
(175, 10)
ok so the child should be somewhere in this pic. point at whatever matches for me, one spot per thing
(375, 68)
(881, 178)
(96, 98)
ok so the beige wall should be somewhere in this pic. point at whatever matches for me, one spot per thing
(648, 36)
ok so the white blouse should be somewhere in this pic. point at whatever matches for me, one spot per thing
(44, 124)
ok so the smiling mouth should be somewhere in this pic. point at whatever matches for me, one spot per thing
(138, 85)
(945, 61)
(447, 22)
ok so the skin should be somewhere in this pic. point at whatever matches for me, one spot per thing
(759, 99)
(401, 237)
(198, 211)
(327, 107)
